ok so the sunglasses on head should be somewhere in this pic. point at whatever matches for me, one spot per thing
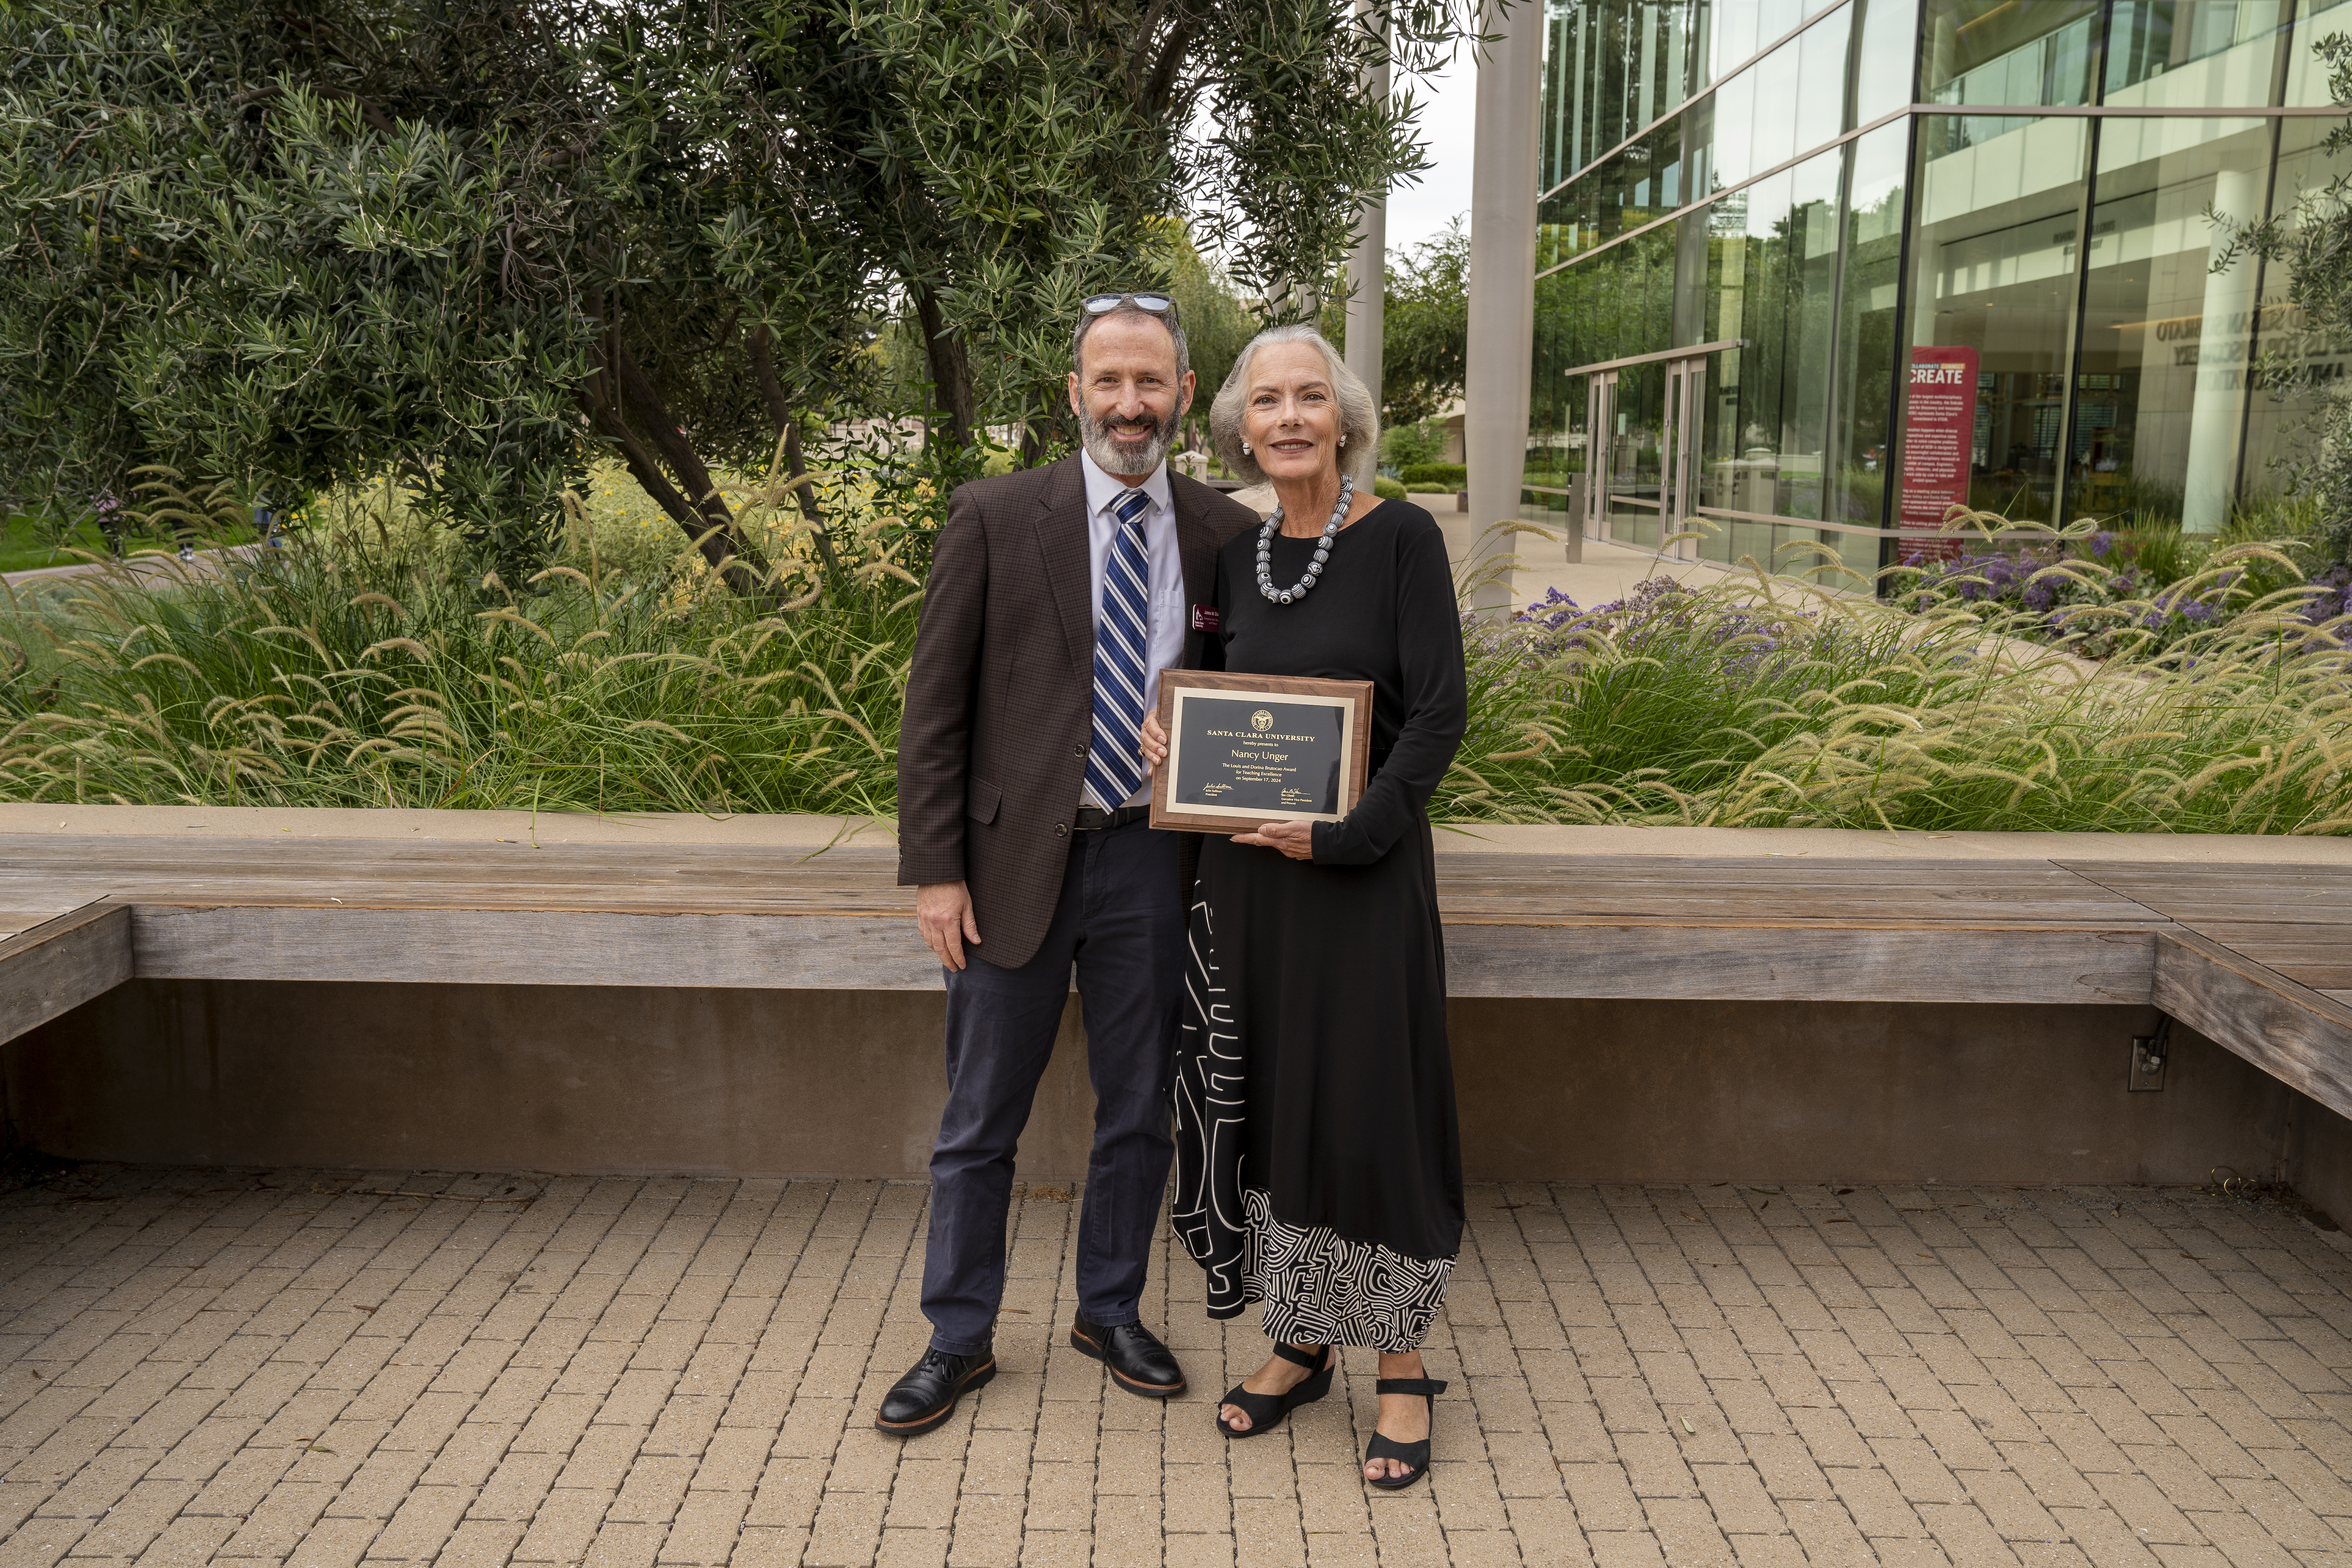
(1158, 304)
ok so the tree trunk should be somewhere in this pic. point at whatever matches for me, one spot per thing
(803, 488)
(951, 371)
(619, 384)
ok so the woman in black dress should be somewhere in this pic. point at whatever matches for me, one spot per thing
(1317, 1165)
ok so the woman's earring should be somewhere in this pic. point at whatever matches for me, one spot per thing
(1343, 443)
(1246, 449)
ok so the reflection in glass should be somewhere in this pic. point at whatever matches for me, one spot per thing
(1772, 252)
(1993, 258)
(1865, 374)
(2160, 396)
(2007, 51)
(1630, 454)
(2306, 73)
(1638, 185)
(1736, 37)
(2191, 54)
(1610, 66)
(1620, 302)
(1883, 65)
(1821, 79)
(2278, 428)
(1773, 129)
(1731, 151)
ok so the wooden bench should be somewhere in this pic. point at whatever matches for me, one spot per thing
(2250, 944)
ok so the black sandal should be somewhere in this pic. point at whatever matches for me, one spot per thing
(1413, 1454)
(1266, 1411)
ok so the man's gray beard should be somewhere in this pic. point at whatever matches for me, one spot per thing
(1095, 435)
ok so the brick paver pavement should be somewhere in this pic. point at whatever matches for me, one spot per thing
(318, 1368)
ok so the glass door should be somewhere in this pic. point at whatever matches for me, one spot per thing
(1678, 448)
(1600, 449)
(1637, 438)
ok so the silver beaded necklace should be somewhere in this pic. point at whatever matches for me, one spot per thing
(1322, 549)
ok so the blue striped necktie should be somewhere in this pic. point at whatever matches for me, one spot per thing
(1115, 761)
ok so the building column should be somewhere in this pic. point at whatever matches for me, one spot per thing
(1368, 285)
(1368, 264)
(1502, 278)
(2222, 371)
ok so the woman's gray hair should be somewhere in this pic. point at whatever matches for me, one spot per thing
(1359, 418)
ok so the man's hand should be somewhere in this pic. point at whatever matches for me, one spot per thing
(944, 914)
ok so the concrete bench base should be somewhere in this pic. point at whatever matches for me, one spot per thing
(727, 1082)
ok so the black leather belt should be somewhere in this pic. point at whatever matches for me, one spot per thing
(1089, 820)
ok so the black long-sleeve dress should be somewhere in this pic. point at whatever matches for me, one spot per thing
(1318, 1168)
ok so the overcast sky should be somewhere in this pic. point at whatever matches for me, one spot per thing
(1448, 102)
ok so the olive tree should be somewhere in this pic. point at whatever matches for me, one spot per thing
(478, 241)
(2313, 242)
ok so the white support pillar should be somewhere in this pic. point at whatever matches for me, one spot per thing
(1368, 301)
(1368, 272)
(1502, 275)
(2220, 395)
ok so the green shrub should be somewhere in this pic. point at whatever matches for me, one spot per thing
(1388, 488)
(1411, 446)
(1436, 477)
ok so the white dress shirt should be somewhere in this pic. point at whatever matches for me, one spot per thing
(1165, 617)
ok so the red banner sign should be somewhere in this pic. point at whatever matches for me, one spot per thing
(1939, 429)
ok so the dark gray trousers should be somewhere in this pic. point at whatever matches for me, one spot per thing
(1122, 921)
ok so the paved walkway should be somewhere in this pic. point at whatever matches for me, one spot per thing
(322, 1368)
(147, 561)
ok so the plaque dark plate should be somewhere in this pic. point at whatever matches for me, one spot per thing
(1250, 749)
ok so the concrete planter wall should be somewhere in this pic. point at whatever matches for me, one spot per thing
(649, 1081)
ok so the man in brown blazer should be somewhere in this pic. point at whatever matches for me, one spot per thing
(1056, 594)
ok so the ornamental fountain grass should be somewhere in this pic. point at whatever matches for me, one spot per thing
(339, 673)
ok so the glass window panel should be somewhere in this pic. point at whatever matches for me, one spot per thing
(1610, 66)
(1774, 17)
(1617, 304)
(2007, 51)
(1638, 185)
(1882, 74)
(1556, 140)
(1736, 37)
(1620, 302)
(1864, 366)
(1556, 409)
(1993, 268)
(2161, 393)
(2278, 428)
(2192, 54)
(1821, 79)
(1771, 261)
(1700, 179)
(1558, 233)
(2306, 73)
(1773, 129)
(1731, 146)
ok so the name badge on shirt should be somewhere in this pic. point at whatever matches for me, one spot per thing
(1204, 618)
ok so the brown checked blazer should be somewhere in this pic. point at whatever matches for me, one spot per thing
(1000, 703)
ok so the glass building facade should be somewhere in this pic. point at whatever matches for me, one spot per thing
(1809, 274)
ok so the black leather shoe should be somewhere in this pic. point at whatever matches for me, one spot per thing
(927, 1395)
(1138, 1363)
